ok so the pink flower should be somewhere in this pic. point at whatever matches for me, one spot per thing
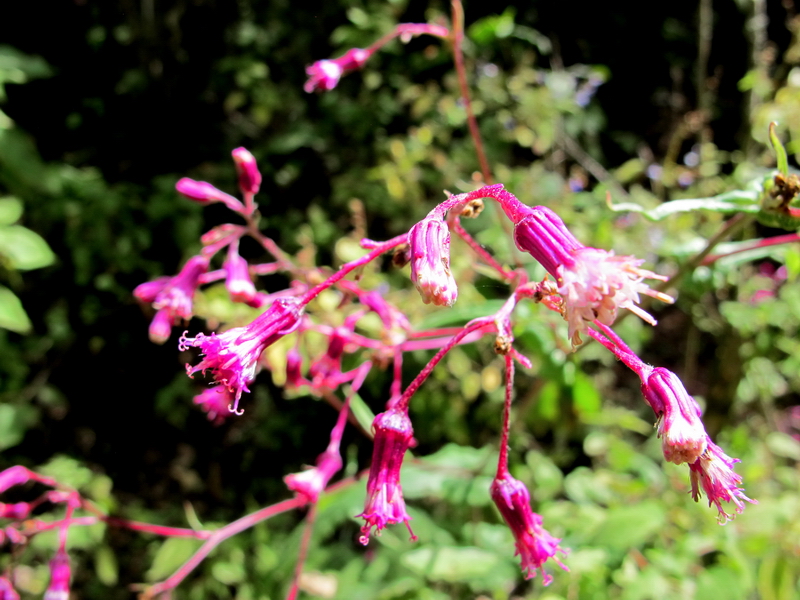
(323, 75)
(594, 283)
(237, 276)
(429, 242)
(7, 591)
(215, 402)
(534, 544)
(385, 505)
(16, 511)
(311, 482)
(12, 476)
(294, 369)
(679, 426)
(60, 574)
(247, 169)
(713, 472)
(172, 297)
(205, 193)
(233, 355)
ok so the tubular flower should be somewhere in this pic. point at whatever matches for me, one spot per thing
(429, 241)
(324, 75)
(237, 277)
(60, 574)
(679, 426)
(594, 283)
(385, 505)
(713, 472)
(172, 297)
(7, 591)
(232, 356)
(534, 544)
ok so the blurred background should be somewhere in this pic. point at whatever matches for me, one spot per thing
(105, 105)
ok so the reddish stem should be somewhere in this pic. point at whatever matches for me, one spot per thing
(502, 463)
(773, 241)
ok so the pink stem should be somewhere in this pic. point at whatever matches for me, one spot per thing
(305, 542)
(773, 241)
(502, 463)
(408, 29)
(481, 251)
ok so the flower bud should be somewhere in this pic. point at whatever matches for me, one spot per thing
(429, 242)
(205, 193)
(247, 170)
(60, 574)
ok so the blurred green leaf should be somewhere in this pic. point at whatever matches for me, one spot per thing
(171, 554)
(12, 315)
(24, 249)
(10, 210)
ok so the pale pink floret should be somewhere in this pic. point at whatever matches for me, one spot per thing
(534, 544)
(385, 505)
(429, 242)
(682, 433)
(237, 277)
(215, 402)
(233, 356)
(713, 472)
(324, 75)
(595, 283)
(312, 482)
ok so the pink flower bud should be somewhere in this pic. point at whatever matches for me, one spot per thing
(534, 544)
(16, 475)
(160, 327)
(429, 241)
(233, 356)
(713, 472)
(60, 574)
(16, 512)
(205, 193)
(237, 280)
(679, 426)
(294, 369)
(312, 482)
(176, 297)
(353, 59)
(147, 292)
(246, 168)
(385, 505)
(323, 76)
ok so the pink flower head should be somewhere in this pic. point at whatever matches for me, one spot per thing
(311, 482)
(594, 283)
(233, 355)
(60, 574)
(294, 369)
(384, 505)
(534, 544)
(215, 402)
(13, 476)
(237, 277)
(247, 170)
(205, 193)
(682, 434)
(429, 241)
(16, 511)
(7, 591)
(324, 75)
(172, 297)
(713, 471)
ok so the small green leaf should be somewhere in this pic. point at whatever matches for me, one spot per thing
(12, 315)
(24, 249)
(451, 564)
(362, 412)
(780, 151)
(10, 210)
(106, 566)
(171, 555)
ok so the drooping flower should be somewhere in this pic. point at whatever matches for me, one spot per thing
(233, 356)
(247, 170)
(534, 544)
(7, 591)
(60, 574)
(385, 505)
(682, 433)
(429, 242)
(324, 75)
(713, 472)
(594, 283)
(172, 297)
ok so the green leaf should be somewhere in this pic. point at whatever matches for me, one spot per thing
(362, 412)
(106, 566)
(14, 422)
(171, 555)
(24, 249)
(10, 210)
(12, 315)
(630, 526)
(780, 151)
(735, 201)
(451, 564)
